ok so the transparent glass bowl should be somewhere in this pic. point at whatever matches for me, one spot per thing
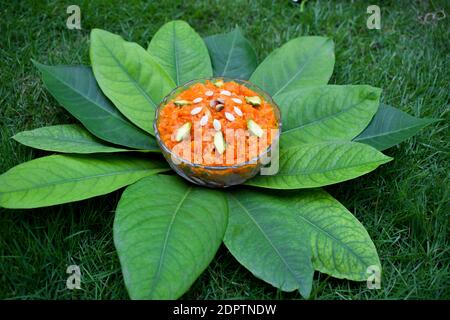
(215, 176)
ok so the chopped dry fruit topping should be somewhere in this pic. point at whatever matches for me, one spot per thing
(254, 128)
(238, 111)
(183, 131)
(229, 116)
(213, 103)
(219, 142)
(219, 83)
(217, 125)
(196, 110)
(254, 101)
(180, 103)
(220, 117)
(204, 120)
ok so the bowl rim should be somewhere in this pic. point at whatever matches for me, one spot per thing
(212, 167)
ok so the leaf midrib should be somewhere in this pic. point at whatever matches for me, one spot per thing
(175, 55)
(301, 69)
(88, 98)
(136, 84)
(233, 44)
(64, 139)
(325, 118)
(391, 132)
(319, 229)
(72, 180)
(332, 169)
(166, 239)
(267, 238)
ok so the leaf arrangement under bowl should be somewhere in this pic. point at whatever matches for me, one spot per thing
(166, 230)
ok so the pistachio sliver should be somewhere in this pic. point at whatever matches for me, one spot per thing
(219, 142)
(180, 103)
(218, 83)
(183, 131)
(254, 128)
(254, 101)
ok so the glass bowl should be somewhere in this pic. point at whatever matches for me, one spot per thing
(213, 175)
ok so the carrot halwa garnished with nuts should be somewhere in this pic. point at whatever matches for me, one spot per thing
(219, 123)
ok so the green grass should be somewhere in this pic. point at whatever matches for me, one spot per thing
(404, 205)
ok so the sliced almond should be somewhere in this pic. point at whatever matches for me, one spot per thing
(219, 107)
(183, 131)
(236, 100)
(209, 93)
(229, 116)
(197, 100)
(238, 111)
(216, 124)
(204, 120)
(196, 110)
(225, 92)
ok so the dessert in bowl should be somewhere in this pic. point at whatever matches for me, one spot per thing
(217, 132)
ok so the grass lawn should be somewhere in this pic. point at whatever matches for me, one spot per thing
(404, 205)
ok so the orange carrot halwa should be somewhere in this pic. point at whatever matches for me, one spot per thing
(220, 123)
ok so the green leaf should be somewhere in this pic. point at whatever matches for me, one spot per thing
(75, 88)
(300, 62)
(316, 165)
(326, 113)
(232, 55)
(341, 246)
(266, 240)
(66, 138)
(281, 238)
(181, 52)
(391, 126)
(129, 76)
(166, 233)
(62, 178)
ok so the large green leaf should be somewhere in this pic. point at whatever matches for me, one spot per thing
(391, 126)
(281, 238)
(66, 138)
(166, 232)
(181, 52)
(75, 88)
(62, 178)
(301, 61)
(232, 55)
(326, 113)
(316, 165)
(129, 76)
(265, 239)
